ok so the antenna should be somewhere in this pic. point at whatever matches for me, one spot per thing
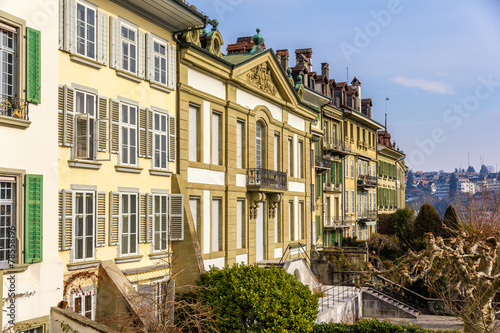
(386, 100)
(468, 162)
(347, 78)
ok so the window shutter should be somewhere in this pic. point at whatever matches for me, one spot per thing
(141, 57)
(149, 129)
(340, 172)
(176, 210)
(114, 219)
(82, 138)
(70, 26)
(60, 225)
(115, 50)
(33, 66)
(150, 59)
(143, 135)
(101, 219)
(171, 59)
(143, 217)
(61, 24)
(69, 116)
(172, 138)
(60, 114)
(33, 215)
(102, 123)
(102, 38)
(115, 126)
(66, 219)
(332, 172)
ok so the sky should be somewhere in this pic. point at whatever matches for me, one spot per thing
(438, 62)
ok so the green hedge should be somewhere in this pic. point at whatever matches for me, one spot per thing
(372, 326)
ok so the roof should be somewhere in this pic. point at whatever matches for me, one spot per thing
(237, 58)
(366, 101)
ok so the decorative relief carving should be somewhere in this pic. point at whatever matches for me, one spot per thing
(254, 205)
(260, 77)
(273, 203)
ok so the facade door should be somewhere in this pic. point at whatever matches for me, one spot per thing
(260, 233)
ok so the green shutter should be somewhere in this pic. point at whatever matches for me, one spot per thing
(340, 238)
(332, 173)
(340, 172)
(318, 226)
(33, 219)
(319, 187)
(33, 66)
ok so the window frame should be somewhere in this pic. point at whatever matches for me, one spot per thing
(161, 214)
(219, 235)
(120, 225)
(290, 157)
(74, 223)
(92, 125)
(19, 57)
(160, 57)
(291, 220)
(241, 225)
(129, 42)
(83, 293)
(216, 156)
(197, 139)
(240, 143)
(87, 6)
(198, 223)
(130, 127)
(300, 159)
(353, 202)
(159, 132)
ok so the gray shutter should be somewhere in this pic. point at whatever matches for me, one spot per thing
(141, 57)
(176, 211)
(149, 129)
(70, 26)
(150, 59)
(101, 219)
(114, 218)
(115, 50)
(149, 235)
(102, 124)
(65, 219)
(60, 114)
(61, 24)
(143, 132)
(171, 74)
(102, 37)
(68, 116)
(115, 126)
(143, 217)
(172, 141)
(60, 225)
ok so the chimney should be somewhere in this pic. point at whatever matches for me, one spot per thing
(304, 58)
(325, 69)
(283, 56)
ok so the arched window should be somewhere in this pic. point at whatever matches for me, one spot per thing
(259, 145)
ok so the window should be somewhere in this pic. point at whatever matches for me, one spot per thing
(259, 145)
(290, 157)
(85, 117)
(7, 217)
(85, 30)
(129, 48)
(276, 151)
(352, 202)
(240, 143)
(194, 133)
(301, 220)
(216, 138)
(128, 134)
(346, 171)
(352, 132)
(370, 202)
(346, 199)
(194, 204)
(359, 168)
(240, 224)
(365, 203)
(217, 228)
(291, 221)
(128, 223)
(160, 59)
(364, 168)
(160, 224)
(300, 158)
(160, 140)
(352, 167)
(8, 69)
(277, 224)
(83, 301)
(84, 226)
(369, 169)
(357, 133)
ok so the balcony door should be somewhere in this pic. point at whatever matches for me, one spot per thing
(260, 146)
(260, 233)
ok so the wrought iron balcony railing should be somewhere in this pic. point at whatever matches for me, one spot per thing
(13, 107)
(336, 145)
(322, 163)
(267, 178)
(367, 181)
(328, 187)
(367, 214)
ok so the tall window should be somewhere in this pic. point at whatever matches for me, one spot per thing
(194, 205)
(277, 224)
(364, 168)
(129, 48)
(369, 169)
(259, 146)
(351, 132)
(276, 151)
(352, 167)
(346, 164)
(85, 30)
(359, 168)
(128, 134)
(160, 216)
(352, 202)
(240, 143)
(194, 133)
(160, 140)
(216, 138)
(359, 203)
(160, 59)
(128, 230)
(7, 52)
(84, 225)
(346, 203)
(291, 221)
(85, 106)
(217, 229)
(301, 220)
(240, 224)
(290, 157)
(7, 217)
(300, 147)
(370, 201)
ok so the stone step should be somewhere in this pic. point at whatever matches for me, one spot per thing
(394, 302)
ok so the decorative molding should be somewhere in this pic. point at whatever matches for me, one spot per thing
(260, 77)
(123, 260)
(126, 168)
(83, 265)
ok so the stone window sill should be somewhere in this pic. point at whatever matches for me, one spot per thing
(161, 87)
(84, 164)
(17, 268)
(14, 122)
(83, 265)
(129, 76)
(85, 61)
(127, 168)
(127, 259)
(158, 172)
(159, 255)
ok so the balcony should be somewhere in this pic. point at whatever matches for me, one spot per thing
(335, 223)
(368, 215)
(13, 107)
(332, 145)
(366, 181)
(332, 187)
(322, 164)
(265, 180)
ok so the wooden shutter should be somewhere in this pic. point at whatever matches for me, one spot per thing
(102, 37)
(102, 123)
(143, 133)
(101, 219)
(143, 217)
(69, 116)
(115, 125)
(171, 60)
(60, 114)
(65, 219)
(149, 150)
(33, 215)
(141, 56)
(150, 59)
(172, 138)
(115, 49)
(176, 211)
(60, 225)
(61, 24)
(149, 235)
(70, 26)
(33, 66)
(114, 218)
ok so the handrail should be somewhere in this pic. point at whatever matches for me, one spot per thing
(14, 107)
(286, 254)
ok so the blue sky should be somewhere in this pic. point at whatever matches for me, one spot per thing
(438, 62)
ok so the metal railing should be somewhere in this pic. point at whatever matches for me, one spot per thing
(301, 252)
(339, 293)
(267, 178)
(366, 180)
(330, 187)
(322, 163)
(336, 145)
(14, 107)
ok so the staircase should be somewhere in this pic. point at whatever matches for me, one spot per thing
(376, 303)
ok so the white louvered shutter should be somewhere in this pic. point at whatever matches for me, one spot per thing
(171, 59)
(61, 24)
(143, 217)
(102, 37)
(149, 129)
(69, 116)
(150, 59)
(101, 219)
(60, 114)
(115, 125)
(141, 57)
(172, 141)
(70, 26)
(102, 124)
(114, 217)
(115, 42)
(176, 211)
(143, 133)
(66, 219)
(150, 216)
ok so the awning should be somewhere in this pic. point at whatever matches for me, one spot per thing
(148, 275)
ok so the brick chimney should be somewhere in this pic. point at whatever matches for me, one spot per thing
(303, 57)
(283, 56)
(325, 69)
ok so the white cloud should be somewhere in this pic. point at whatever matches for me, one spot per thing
(427, 85)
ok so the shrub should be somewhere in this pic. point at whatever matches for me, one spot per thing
(372, 326)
